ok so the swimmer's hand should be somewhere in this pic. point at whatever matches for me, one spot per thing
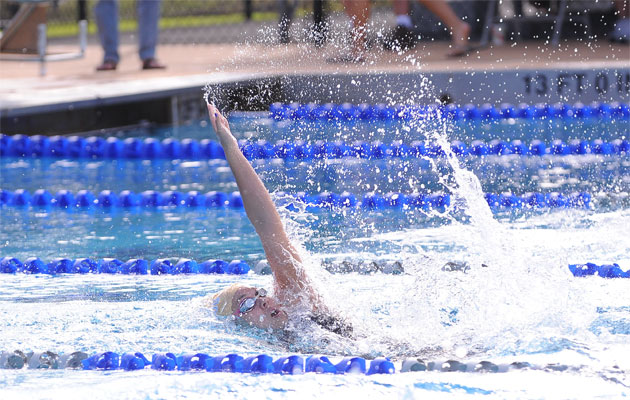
(220, 125)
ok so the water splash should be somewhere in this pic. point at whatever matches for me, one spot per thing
(517, 297)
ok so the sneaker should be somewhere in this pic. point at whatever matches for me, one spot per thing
(402, 38)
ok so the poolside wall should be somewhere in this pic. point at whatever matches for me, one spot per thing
(177, 101)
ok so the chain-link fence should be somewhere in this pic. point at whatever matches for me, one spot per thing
(229, 21)
(191, 21)
(225, 21)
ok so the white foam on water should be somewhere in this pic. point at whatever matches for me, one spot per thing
(518, 297)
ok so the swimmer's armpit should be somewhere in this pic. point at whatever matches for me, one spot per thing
(334, 324)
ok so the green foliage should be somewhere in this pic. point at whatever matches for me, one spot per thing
(130, 25)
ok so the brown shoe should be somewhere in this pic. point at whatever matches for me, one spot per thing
(107, 65)
(152, 63)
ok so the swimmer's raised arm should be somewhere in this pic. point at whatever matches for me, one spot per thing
(283, 258)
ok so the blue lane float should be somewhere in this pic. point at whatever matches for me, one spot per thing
(326, 200)
(134, 266)
(368, 112)
(151, 148)
(94, 147)
(125, 199)
(228, 363)
(604, 270)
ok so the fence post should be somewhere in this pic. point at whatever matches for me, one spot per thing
(320, 30)
(82, 10)
(248, 10)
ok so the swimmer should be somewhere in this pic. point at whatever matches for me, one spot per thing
(294, 296)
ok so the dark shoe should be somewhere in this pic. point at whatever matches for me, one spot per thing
(346, 59)
(401, 39)
(152, 63)
(107, 65)
(464, 50)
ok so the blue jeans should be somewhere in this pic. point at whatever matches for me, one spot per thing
(148, 13)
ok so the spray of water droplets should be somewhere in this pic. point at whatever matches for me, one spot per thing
(514, 294)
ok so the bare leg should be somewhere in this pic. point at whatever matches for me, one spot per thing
(621, 32)
(359, 13)
(401, 7)
(403, 36)
(623, 8)
(460, 30)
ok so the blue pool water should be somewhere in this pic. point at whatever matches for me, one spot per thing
(523, 305)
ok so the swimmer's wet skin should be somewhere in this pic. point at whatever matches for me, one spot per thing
(252, 306)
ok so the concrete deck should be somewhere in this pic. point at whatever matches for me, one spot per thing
(529, 71)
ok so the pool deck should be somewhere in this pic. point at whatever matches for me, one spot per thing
(75, 83)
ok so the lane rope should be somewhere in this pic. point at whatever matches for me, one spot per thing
(107, 199)
(468, 112)
(257, 364)
(134, 266)
(77, 147)
(164, 266)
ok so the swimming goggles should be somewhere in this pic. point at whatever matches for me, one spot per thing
(249, 303)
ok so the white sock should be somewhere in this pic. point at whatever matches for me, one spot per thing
(404, 20)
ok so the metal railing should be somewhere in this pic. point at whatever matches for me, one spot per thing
(25, 34)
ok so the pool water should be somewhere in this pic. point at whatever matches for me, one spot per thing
(518, 300)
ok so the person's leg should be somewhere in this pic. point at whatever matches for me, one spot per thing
(460, 30)
(623, 8)
(359, 13)
(401, 10)
(286, 11)
(403, 36)
(148, 17)
(106, 13)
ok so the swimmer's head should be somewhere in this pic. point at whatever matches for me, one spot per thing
(250, 306)
(222, 301)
